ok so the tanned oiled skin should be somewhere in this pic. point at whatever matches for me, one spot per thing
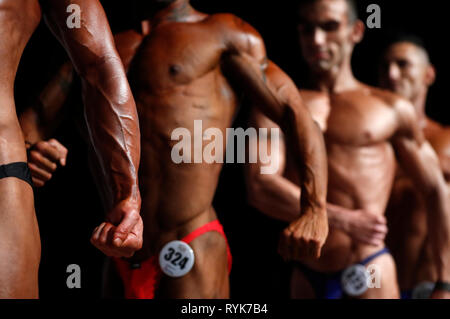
(406, 70)
(112, 121)
(114, 131)
(362, 170)
(193, 58)
(177, 77)
(39, 120)
(407, 215)
(361, 162)
(365, 129)
(19, 233)
(277, 195)
(173, 87)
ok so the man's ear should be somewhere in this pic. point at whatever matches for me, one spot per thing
(430, 75)
(358, 30)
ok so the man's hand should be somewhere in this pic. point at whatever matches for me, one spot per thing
(121, 234)
(305, 237)
(43, 160)
(365, 227)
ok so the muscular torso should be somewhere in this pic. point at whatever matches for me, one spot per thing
(407, 216)
(176, 79)
(358, 126)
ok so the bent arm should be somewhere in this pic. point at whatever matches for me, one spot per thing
(272, 194)
(110, 109)
(421, 163)
(277, 197)
(284, 107)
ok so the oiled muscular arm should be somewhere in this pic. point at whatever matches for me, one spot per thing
(246, 64)
(40, 119)
(272, 194)
(419, 160)
(111, 115)
(441, 144)
(279, 198)
(45, 114)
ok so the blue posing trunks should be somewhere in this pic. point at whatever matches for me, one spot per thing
(328, 286)
(422, 290)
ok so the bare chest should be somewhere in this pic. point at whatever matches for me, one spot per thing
(358, 120)
(176, 55)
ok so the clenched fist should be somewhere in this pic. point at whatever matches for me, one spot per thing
(305, 237)
(121, 234)
(44, 158)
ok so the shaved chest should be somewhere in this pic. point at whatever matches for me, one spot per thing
(356, 119)
(177, 54)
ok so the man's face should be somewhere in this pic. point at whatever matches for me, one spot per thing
(403, 70)
(325, 34)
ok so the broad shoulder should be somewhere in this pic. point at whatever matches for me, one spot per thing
(238, 34)
(230, 22)
(390, 99)
(402, 108)
(362, 92)
(404, 112)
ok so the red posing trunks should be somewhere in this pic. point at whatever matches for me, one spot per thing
(142, 282)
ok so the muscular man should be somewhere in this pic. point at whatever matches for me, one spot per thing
(191, 67)
(365, 130)
(114, 132)
(406, 70)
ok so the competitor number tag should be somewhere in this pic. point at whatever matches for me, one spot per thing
(176, 259)
(354, 280)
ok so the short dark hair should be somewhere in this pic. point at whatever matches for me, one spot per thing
(351, 6)
(401, 36)
(352, 11)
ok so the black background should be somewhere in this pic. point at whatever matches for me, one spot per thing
(68, 208)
